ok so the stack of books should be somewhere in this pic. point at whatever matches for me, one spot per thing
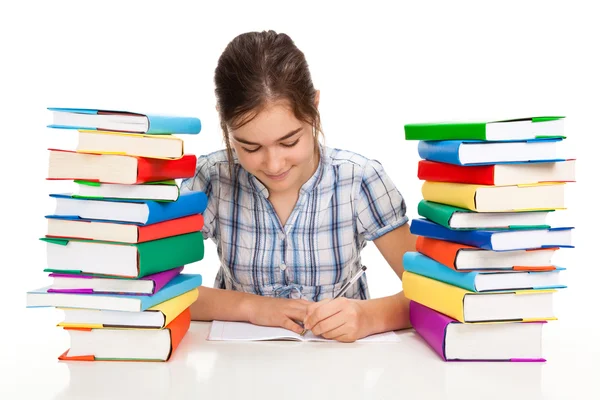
(481, 283)
(117, 246)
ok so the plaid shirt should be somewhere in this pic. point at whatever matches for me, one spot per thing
(349, 200)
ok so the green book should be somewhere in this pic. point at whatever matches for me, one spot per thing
(513, 129)
(85, 257)
(460, 218)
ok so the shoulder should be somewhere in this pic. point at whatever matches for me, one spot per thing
(360, 165)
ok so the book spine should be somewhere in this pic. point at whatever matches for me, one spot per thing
(420, 264)
(444, 172)
(460, 195)
(159, 124)
(173, 227)
(430, 325)
(154, 170)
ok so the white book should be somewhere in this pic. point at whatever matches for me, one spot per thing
(147, 191)
(246, 332)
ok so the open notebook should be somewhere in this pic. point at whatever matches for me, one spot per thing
(243, 331)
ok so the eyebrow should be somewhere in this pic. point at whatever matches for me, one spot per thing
(287, 136)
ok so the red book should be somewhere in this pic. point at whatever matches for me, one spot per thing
(498, 174)
(117, 168)
(118, 232)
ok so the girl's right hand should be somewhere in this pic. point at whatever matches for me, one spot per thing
(284, 313)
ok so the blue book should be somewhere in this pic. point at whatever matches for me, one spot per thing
(144, 212)
(123, 121)
(498, 239)
(114, 302)
(477, 152)
(481, 281)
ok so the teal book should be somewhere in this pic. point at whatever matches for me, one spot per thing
(123, 121)
(512, 129)
(482, 281)
(113, 302)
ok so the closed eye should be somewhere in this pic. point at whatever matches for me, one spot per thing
(295, 142)
(251, 150)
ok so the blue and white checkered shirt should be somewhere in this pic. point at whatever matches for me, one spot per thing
(349, 200)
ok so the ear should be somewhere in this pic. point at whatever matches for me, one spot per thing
(217, 108)
(317, 98)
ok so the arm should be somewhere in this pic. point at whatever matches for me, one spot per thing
(229, 305)
(360, 318)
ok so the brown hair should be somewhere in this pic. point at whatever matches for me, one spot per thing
(257, 68)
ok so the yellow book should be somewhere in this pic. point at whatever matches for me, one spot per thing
(130, 144)
(467, 306)
(487, 198)
(156, 317)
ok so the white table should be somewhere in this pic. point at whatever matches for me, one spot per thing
(292, 370)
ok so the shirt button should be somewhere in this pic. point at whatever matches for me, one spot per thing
(281, 236)
(282, 266)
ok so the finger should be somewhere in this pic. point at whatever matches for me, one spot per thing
(292, 326)
(327, 325)
(342, 333)
(325, 310)
(313, 306)
(296, 313)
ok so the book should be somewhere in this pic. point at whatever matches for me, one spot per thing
(129, 210)
(454, 341)
(115, 231)
(127, 344)
(509, 129)
(127, 260)
(498, 174)
(468, 258)
(482, 198)
(155, 317)
(124, 121)
(484, 153)
(117, 168)
(467, 306)
(156, 191)
(150, 146)
(73, 283)
(482, 281)
(461, 218)
(246, 332)
(498, 240)
(182, 283)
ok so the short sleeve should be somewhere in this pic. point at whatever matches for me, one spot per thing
(380, 207)
(205, 180)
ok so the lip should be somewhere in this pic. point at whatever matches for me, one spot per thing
(278, 177)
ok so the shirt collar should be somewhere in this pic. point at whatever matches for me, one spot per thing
(308, 186)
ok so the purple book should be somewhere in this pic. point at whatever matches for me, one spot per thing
(83, 283)
(510, 341)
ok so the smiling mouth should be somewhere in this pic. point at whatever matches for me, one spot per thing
(278, 177)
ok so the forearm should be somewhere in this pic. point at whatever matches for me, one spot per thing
(387, 313)
(222, 305)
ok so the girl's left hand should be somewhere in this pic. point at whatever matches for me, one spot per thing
(342, 319)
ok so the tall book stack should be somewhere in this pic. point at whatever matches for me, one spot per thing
(117, 246)
(482, 281)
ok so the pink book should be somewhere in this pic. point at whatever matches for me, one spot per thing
(455, 341)
(79, 283)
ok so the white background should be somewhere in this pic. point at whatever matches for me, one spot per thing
(378, 66)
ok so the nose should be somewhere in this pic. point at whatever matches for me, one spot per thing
(274, 162)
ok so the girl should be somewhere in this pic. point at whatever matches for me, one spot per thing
(290, 216)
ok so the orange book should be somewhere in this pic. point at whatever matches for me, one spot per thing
(461, 257)
(127, 344)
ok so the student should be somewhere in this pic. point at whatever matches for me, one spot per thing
(290, 216)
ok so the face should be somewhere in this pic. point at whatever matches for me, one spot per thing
(276, 148)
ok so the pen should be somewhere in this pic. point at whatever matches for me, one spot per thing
(346, 286)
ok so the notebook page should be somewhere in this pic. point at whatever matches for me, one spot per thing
(243, 331)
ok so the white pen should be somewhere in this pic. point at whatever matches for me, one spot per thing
(345, 288)
(351, 282)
